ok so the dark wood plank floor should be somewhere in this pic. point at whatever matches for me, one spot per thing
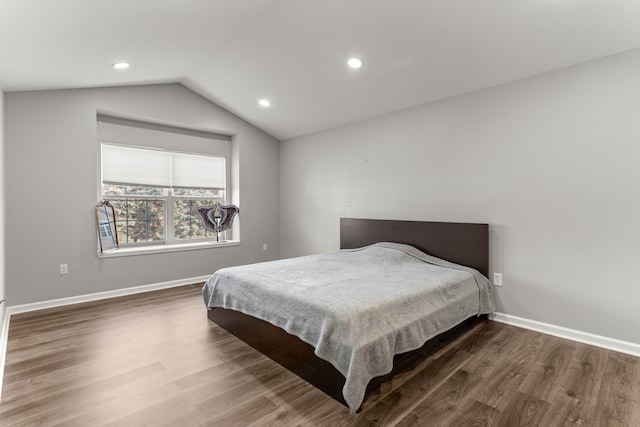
(155, 360)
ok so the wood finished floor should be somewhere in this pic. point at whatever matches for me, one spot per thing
(155, 360)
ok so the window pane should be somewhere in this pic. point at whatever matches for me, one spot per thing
(155, 209)
(187, 223)
(139, 190)
(198, 192)
(132, 190)
(145, 231)
(121, 226)
(198, 230)
(183, 229)
(139, 220)
(137, 231)
(156, 231)
(113, 190)
(120, 208)
(137, 210)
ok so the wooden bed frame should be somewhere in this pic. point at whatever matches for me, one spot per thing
(462, 243)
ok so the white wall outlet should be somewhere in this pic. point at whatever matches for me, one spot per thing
(497, 279)
(265, 247)
(64, 268)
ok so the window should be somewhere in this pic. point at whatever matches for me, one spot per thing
(156, 191)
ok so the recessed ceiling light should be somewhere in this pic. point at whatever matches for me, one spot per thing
(120, 65)
(264, 103)
(354, 62)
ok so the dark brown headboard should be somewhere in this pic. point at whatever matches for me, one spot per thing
(462, 243)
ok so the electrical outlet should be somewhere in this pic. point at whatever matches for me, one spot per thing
(264, 247)
(64, 268)
(497, 279)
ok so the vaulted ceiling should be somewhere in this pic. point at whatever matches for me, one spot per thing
(294, 52)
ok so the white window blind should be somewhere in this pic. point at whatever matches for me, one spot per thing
(195, 171)
(135, 166)
(159, 168)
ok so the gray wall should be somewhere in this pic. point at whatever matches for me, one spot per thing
(551, 162)
(3, 290)
(52, 172)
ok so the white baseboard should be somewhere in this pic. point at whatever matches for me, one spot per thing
(570, 334)
(24, 308)
(4, 335)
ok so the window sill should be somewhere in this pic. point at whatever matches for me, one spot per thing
(155, 249)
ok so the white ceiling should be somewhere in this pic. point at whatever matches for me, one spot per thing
(294, 52)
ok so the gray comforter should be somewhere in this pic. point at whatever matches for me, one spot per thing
(356, 307)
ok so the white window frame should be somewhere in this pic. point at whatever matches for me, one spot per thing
(134, 134)
(168, 197)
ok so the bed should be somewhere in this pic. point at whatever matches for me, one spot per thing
(343, 319)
